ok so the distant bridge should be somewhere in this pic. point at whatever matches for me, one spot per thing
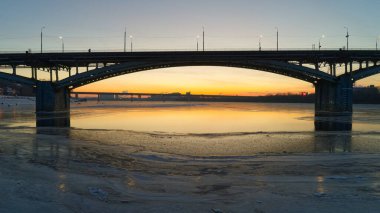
(333, 92)
(168, 96)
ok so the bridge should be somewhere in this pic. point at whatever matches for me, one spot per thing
(333, 90)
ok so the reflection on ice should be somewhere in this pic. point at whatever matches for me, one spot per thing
(60, 147)
(320, 185)
(333, 142)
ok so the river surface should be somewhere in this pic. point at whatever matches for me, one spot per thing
(193, 117)
(186, 128)
(188, 157)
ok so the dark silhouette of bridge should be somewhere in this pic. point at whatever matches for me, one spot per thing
(333, 92)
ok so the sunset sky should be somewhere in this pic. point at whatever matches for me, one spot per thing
(174, 25)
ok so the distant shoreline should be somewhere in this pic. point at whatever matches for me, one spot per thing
(28, 100)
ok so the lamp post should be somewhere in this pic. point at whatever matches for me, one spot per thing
(277, 36)
(131, 37)
(347, 36)
(203, 40)
(319, 43)
(125, 40)
(260, 37)
(63, 44)
(41, 36)
(197, 43)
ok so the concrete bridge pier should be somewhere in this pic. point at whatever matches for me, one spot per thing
(52, 105)
(333, 104)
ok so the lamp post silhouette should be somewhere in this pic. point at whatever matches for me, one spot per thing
(203, 35)
(319, 43)
(347, 36)
(277, 36)
(41, 36)
(260, 37)
(197, 43)
(63, 44)
(131, 37)
(125, 40)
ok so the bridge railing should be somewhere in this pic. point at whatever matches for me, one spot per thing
(181, 50)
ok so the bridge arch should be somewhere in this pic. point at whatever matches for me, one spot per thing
(277, 67)
(364, 73)
(17, 79)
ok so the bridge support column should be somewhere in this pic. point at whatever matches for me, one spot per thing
(333, 104)
(52, 105)
(14, 69)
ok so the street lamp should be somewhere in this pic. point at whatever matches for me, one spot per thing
(197, 43)
(63, 44)
(125, 40)
(41, 36)
(203, 41)
(131, 37)
(319, 43)
(277, 36)
(260, 37)
(347, 36)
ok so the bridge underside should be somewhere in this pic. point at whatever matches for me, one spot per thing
(282, 68)
(364, 73)
(17, 79)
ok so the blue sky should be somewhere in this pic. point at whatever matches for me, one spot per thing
(174, 24)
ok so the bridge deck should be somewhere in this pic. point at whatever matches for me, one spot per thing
(84, 58)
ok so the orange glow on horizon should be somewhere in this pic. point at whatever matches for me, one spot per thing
(201, 80)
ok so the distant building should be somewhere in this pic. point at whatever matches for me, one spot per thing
(369, 94)
(175, 93)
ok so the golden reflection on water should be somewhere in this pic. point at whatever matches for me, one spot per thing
(62, 185)
(195, 118)
(320, 184)
(131, 182)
